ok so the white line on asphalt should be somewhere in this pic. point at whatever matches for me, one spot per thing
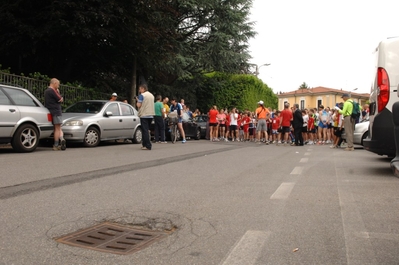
(283, 191)
(247, 250)
(304, 160)
(296, 171)
(359, 249)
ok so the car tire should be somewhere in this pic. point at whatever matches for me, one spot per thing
(365, 135)
(92, 137)
(138, 136)
(198, 134)
(25, 139)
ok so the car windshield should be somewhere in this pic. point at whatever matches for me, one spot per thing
(85, 107)
(201, 119)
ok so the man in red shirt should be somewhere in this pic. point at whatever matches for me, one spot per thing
(285, 121)
(213, 123)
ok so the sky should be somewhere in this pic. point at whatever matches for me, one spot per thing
(320, 42)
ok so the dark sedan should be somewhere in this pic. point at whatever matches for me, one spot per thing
(202, 121)
(192, 129)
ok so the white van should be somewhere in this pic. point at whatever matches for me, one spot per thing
(383, 94)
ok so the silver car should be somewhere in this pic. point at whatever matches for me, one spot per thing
(23, 119)
(361, 132)
(93, 121)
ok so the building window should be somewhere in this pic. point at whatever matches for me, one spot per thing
(319, 102)
(302, 104)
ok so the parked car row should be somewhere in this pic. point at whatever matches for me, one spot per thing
(24, 121)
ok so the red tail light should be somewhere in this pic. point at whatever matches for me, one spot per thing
(49, 117)
(383, 85)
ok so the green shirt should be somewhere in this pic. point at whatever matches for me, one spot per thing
(348, 108)
(158, 108)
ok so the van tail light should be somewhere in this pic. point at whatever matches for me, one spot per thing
(49, 117)
(383, 85)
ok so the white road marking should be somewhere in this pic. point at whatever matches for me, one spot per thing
(304, 160)
(307, 154)
(358, 246)
(283, 191)
(296, 171)
(247, 250)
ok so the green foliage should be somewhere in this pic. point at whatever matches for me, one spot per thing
(230, 90)
(303, 86)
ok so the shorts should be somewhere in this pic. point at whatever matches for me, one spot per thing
(252, 131)
(233, 127)
(180, 120)
(312, 130)
(304, 129)
(57, 119)
(261, 125)
(222, 125)
(337, 131)
(286, 129)
(213, 124)
(275, 131)
(330, 126)
(246, 129)
(323, 125)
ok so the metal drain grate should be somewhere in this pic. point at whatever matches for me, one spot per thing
(112, 238)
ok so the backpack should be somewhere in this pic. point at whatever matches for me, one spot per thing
(355, 111)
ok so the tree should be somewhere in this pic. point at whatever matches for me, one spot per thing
(303, 86)
(97, 41)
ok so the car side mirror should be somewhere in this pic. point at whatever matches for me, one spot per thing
(108, 114)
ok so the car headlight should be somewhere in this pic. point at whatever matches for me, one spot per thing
(73, 123)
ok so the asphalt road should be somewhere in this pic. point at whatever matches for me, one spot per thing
(230, 203)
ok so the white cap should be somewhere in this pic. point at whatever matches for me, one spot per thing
(260, 102)
(114, 94)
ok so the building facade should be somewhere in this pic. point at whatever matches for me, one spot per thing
(314, 97)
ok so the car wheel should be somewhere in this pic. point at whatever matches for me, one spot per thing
(25, 139)
(92, 137)
(138, 137)
(365, 135)
(198, 135)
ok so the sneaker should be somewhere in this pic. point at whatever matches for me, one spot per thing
(333, 146)
(184, 141)
(164, 142)
(349, 149)
(63, 144)
(267, 143)
(56, 148)
(226, 140)
(144, 148)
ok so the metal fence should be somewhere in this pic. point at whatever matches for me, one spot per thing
(37, 87)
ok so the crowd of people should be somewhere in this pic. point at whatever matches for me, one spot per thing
(290, 126)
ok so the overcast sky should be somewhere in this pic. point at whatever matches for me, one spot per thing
(320, 42)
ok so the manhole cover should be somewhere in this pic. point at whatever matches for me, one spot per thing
(112, 238)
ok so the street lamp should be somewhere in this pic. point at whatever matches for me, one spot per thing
(258, 67)
(350, 92)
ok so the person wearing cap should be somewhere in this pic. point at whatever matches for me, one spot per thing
(262, 114)
(349, 123)
(114, 96)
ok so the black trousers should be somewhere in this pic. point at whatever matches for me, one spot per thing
(298, 136)
(145, 127)
(159, 129)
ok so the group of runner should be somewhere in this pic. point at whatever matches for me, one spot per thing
(265, 125)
